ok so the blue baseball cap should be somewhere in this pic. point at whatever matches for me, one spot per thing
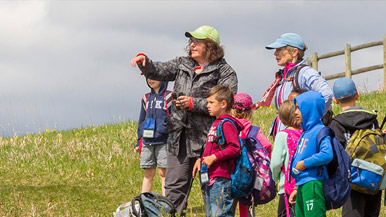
(344, 88)
(288, 39)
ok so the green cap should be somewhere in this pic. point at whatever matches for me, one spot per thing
(204, 32)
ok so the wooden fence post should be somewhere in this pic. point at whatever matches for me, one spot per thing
(315, 60)
(384, 62)
(347, 54)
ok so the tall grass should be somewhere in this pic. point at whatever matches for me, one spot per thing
(91, 171)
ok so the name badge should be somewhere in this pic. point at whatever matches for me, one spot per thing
(204, 177)
(148, 129)
(259, 182)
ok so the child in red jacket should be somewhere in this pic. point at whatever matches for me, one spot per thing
(219, 160)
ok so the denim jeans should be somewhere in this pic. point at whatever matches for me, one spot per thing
(218, 198)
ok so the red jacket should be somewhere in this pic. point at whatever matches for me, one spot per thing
(232, 147)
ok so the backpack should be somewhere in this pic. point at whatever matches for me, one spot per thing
(289, 182)
(337, 187)
(264, 189)
(243, 178)
(148, 204)
(367, 151)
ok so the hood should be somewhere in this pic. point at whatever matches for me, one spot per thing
(239, 125)
(311, 105)
(357, 118)
(247, 126)
(162, 89)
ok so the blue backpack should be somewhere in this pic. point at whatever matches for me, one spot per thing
(337, 187)
(243, 178)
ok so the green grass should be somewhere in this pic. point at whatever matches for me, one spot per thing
(91, 171)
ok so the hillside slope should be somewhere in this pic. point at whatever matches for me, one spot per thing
(91, 171)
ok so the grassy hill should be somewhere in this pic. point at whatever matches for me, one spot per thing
(91, 171)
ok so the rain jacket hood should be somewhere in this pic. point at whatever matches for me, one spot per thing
(311, 105)
(163, 87)
(350, 120)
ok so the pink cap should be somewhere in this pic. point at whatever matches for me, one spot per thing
(242, 99)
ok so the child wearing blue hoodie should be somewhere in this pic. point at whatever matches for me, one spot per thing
(153, 133)
(308, 162)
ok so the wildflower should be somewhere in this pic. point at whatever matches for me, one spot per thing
(53, 130)
(47, 130)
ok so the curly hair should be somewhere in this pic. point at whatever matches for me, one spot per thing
(214, 51)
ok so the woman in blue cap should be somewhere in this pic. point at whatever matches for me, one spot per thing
(295, 76)
(189, 123)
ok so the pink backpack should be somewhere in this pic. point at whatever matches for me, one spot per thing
(264, 190)
(292, 141)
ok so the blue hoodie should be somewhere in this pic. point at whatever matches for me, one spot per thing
(156, 109)
(311, 105)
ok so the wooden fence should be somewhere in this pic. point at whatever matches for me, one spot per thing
(347, 53)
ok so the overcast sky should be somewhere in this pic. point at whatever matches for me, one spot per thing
(65, 64)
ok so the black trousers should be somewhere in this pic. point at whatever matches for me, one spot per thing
(178, 180)
(281, 210)
(362, 205)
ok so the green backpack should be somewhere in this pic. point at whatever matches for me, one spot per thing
(367, 151)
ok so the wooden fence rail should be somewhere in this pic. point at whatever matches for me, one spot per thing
(347, 52)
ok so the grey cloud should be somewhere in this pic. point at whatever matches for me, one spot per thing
(65, 64)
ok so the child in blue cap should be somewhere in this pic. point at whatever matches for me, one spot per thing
(344, 125)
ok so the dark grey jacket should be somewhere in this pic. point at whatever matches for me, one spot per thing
(195, 123)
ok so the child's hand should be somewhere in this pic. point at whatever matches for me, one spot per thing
(300, 166)
(136, 148)
(292, 197)
(196, 167)
(208, 161)
(139, 59)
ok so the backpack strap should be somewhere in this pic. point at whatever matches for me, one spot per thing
(144, 100)
(220, 139)
(168, 101)
(383, 123)
(324, 132)
(295, 80)
(134, 210)
(253, 131)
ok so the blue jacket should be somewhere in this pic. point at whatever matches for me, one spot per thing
(156, 109)
(309, 79)
(311, 105)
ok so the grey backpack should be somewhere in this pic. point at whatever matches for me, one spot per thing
(148, 204)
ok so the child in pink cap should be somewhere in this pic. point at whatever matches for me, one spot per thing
(242, 111)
